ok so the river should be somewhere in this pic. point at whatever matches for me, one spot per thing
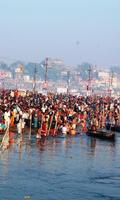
(74, 168)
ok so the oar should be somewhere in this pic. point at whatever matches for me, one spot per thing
(38, 136)
(50, 124)
(30, 126)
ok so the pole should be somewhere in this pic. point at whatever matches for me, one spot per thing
(34, 79)
(46, 70)
(89, 79)
(30, 126)
(56, 123)
(68, 82)
(110, 82)
(51, 120)
(5, 141)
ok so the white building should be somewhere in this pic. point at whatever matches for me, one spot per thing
(103, 75)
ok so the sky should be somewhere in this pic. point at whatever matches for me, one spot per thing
(73, 30)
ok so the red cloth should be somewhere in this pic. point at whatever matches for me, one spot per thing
(44, 129)
(53, 132)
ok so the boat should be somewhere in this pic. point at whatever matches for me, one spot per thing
(113, 127)
(101, 134)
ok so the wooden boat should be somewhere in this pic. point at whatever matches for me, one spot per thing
(102, 134)
(113, 127)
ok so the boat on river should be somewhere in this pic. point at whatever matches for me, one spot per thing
(101, 134)
(113, 127)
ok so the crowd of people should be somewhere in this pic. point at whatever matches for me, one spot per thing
(54, 114)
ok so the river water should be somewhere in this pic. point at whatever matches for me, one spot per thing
(79, 168)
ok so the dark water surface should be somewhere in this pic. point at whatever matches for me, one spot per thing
(61, 168)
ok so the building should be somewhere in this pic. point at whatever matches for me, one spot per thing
(103, 75)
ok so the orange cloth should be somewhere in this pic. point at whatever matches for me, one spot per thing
(12, 119)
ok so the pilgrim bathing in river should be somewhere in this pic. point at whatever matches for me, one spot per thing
(55, 114)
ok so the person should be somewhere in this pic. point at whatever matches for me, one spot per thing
(64, 129)
(73, 127)
(38, 136)
(108, 122)
(44, 128)
(12, 117)
(35, 120)
(94, 124)
(19, 126)
(7, 117)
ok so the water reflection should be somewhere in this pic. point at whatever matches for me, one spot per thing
(4, 163)
(72, 167)
(56, 145)
(41, 144)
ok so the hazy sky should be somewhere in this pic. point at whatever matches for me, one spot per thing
(73, 30)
